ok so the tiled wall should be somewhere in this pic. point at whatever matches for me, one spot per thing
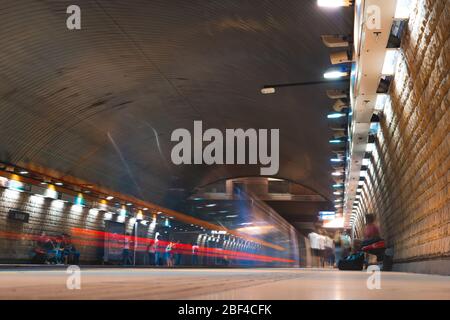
(52, 216)
(407, 181)
(55, 217)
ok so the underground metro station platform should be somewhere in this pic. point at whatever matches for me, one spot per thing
(224, 150)
(220, 284)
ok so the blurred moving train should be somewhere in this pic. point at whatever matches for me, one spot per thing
(239, 231)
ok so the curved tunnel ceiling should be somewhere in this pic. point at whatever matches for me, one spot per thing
(100, 103)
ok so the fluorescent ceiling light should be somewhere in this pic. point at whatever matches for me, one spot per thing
(336, 160)
(109, 197)
(335, 74)
(403, 9)
(335, 115)
(380, 102)
(23, 172)
(335, 141)
(390, 61)
(337, 173)
(333, 3)
(51, 193)
(267, 90)
(370, 147)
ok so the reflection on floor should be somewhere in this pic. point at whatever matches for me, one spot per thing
(99, 283)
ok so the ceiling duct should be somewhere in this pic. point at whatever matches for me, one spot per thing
(339, 128)
(339, 105)
(339, 153)
(340, 57)
(339, 134)
(337, 167)
(335, 40)
(338, 180)
(337, 94)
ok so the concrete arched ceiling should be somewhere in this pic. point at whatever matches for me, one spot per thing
(100, 103)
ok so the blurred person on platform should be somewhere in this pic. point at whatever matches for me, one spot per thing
(329, 251)
(371, 231)
(44, 245)
(177, 252)
(322, 251)
(157, 249)
(151, 253)
(126, 257)
(70, 254)
(195, 249)
(346, 243)
(337, 247)
(169, 254)
(58, 252)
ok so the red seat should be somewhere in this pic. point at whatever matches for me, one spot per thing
(377, 245)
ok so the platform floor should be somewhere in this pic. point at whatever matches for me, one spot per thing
(219, 284)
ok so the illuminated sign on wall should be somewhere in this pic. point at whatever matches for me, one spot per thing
(335, 223)
(327, 215)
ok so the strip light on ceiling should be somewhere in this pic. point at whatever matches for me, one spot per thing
(390, 62)
(333, 3)
(403, 9)
(335, 74)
